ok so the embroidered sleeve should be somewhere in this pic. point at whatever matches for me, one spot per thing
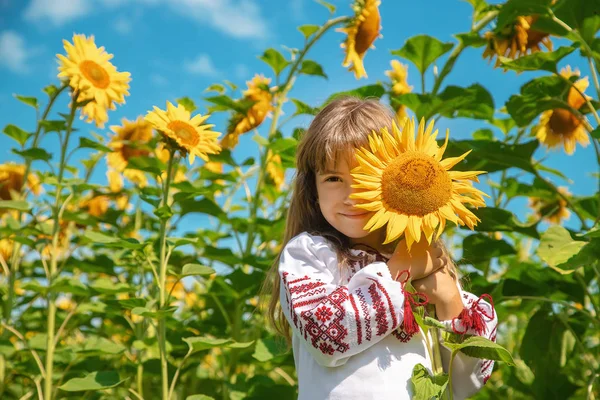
(477, 318)
(336, 321)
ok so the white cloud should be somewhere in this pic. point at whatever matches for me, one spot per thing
(57, 11)
(158, 80)
(13, 52)
(201, 65)
(240, 18)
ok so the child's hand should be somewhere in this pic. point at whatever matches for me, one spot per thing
(423, 259)
(441, 290)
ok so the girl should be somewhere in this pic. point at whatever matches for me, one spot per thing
(340, 290)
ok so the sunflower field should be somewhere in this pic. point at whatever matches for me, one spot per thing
(106, 294)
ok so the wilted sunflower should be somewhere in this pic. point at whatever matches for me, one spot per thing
(409, 187)
(11, 179)
(554, 210)
(516, 40)
(129, 141)
(90, 72)
(362, 31)
(399, 75)
(259, 92)
(560, 126)
(191, 137)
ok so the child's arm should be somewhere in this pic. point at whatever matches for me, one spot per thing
(464, 313)
(334, 321)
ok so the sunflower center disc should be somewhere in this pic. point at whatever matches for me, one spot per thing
(415, 184)
(95, 74)
(563, 122)
(185, 132)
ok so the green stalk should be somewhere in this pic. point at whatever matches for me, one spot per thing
(273, 128)
(162, 331)
(458, 49)
(53, 257)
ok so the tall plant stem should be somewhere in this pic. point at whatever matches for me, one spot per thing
(287, 85)
(50, 347)
(162, 328)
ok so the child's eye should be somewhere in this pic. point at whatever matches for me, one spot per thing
(333, 179)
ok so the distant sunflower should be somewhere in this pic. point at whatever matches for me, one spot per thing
(516, 40)
(96, 206)
(259, 92)
(190, 135)
(90, 72)
(362, 31)
(6, 249)
(275, 169)
(409, 187)
(11, 180)
(560, 126)
(128, 142)
(554, 211)
(399, 75)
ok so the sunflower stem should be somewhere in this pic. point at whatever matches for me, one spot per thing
(162, 331)
(50, 345)
(273, 128)
(457, 50)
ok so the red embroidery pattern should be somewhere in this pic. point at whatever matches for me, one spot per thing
(472, 318)
(324, 324)
(379, 307)
(357, 319)
(366, 316)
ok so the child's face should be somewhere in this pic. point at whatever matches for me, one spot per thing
(333, 189)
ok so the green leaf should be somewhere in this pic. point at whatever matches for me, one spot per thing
(98, 380)
(480, 347)
(362, 92)
(542, 60)
(428, 321)
(303, 108)
(308, 30)
(327, 5)
(515, 8)
(471, 39)
(563, 254)
(85, 143)
(205, 206)
(187, 103)
(426, 386)
(226, 103)
(216, 87)
(20, 205)
(199, 397)
(537, 95)
(34, 153)
(280, 145)
(310, 67)
(479, 248)
(163, 212)
(471, 102)
(483, 134)
(497, 219)
(50, 90)
(100, 345)
(423, 50)
(196, 269)
(112, 241)
(275, 60)
(260, 140)
(200, 343)
(266, 350)
(159, 314)
(107, 286)
(596, 133)
(30, 101)
(54, 126)
(147, 164)
(17, 133)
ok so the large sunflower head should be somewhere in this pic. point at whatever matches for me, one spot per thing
(405, 182)
(554, 210)
(516, 39)
(129, 141)
(189, 134)
(11, 181)
(560, 126)
(90, 72)
(362, 31)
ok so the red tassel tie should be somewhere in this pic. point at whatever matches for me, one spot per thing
(472, 317)
(409, 324)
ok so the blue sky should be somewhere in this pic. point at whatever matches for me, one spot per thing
(176, 48)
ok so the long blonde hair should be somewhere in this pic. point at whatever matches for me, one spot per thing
(343, 124)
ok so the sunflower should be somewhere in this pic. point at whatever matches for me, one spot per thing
(259, 92)
(399, 75)
(191, 137)
(409, 187)
(96, 206)
(6, 249)
(362, 32)
(128, 142)
(516, 40)
(560, 126)
(11, 180)
(555, 210)
(90, 72)
(275, 169)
